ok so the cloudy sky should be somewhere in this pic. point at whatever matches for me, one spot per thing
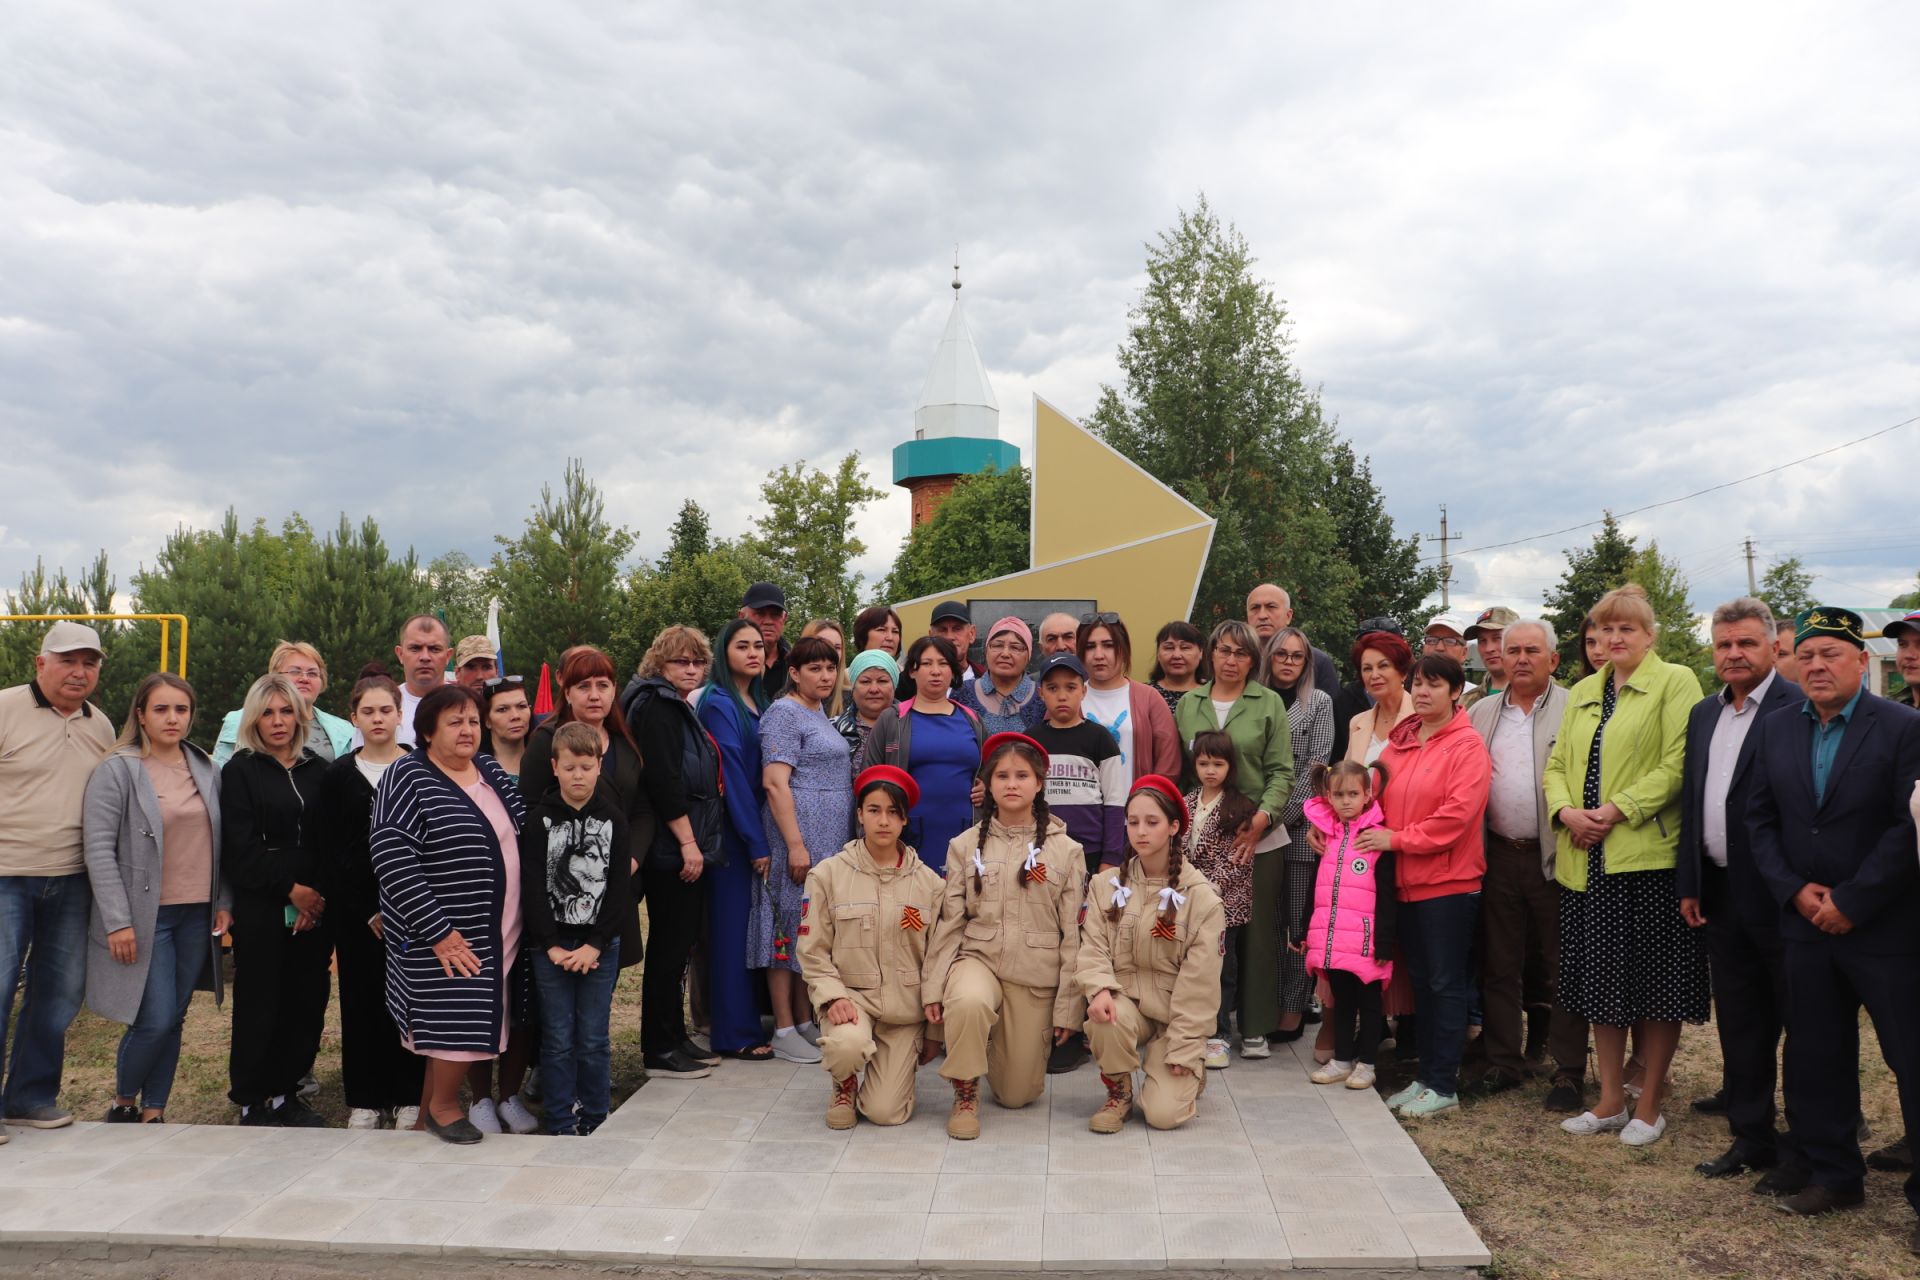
(407, 259)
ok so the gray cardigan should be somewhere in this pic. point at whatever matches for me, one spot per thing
(1545, 722)
(121, 841)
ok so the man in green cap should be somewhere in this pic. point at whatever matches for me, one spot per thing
(1834, 840)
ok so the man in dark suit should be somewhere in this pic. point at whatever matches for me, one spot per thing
(1721, 891)
(1834, 840)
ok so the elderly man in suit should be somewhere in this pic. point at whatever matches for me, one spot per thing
(1520, 901)
(1721, 891)
(1834, 842)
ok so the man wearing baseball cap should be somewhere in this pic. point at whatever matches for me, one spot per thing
(1905, 634)
(475, 661)
(1833, 839)
(1485, 633)
(765, 605)
(51, 738)
(953, 621)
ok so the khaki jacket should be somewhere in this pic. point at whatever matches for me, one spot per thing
(1027, 934)
(1174, 982)
(864, 931)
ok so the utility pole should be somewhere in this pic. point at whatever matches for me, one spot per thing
(1753, 588)
(1446, 564)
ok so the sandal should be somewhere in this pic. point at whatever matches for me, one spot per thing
(752, 1053)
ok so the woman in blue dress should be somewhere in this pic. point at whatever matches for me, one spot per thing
(936, 740)
(730, 710)
(809, 806)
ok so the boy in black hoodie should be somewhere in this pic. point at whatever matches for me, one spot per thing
(581, 925)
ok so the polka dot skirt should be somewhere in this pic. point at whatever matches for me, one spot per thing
(1626, 956)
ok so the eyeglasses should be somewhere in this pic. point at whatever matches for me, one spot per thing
(498, 683)
(1289, 656)
(1446, 642)
(1099, 619)
(1230, 651)
(686, 662)
(303, 673)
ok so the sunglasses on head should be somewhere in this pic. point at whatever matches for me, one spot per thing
(498, 683)
(1099, 619)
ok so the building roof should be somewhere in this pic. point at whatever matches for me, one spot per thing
(957, 399)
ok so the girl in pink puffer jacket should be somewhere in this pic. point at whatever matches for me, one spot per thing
(1350, 937)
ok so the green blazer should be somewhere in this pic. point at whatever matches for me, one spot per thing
(1642, 764)
(1261, 739)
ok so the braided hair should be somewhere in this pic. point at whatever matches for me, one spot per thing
(990, 810)
(1175, 859)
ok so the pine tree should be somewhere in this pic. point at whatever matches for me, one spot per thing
(1591, 572)
(559, 582)
(349, 602)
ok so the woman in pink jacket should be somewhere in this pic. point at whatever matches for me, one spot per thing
(1434, 812)
(1350, 937)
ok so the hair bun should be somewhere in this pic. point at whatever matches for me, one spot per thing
(374, 669)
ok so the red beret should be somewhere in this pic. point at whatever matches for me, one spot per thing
(1166, 787)
(1000, 740)
(888, 773)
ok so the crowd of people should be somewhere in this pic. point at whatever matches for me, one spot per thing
(1005, 853)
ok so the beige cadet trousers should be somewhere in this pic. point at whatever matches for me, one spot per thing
(886, 1053)
(1000, 1028)
(1166, 1100)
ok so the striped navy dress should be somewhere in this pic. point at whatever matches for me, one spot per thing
(440, 868)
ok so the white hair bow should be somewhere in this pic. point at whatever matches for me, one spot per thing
(1172, 897)
(1120, 895)
(979, 867)
(1033, 858)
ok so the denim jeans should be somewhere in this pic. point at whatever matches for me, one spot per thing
(576, 1048)
(150, 1048)
(43, 922)
(1436, 940)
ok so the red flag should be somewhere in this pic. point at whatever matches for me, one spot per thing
(543, 700)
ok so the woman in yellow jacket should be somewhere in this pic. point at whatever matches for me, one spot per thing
(1150, 954)
(1000, 969)
(863, 940)
(1612, 782)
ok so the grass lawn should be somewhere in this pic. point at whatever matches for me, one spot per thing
(1548, 1205)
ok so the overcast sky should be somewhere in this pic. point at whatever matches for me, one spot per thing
(407, 259)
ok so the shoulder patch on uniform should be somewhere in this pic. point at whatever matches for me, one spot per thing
(805, 902)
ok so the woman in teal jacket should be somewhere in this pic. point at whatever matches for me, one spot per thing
(1255, 717)
(1627, 959)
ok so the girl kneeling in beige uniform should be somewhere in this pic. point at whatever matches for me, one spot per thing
(1000, 968)
(1150, 966)
(864, 925)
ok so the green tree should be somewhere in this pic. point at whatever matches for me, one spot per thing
(690, 536)
(1591, 572)
(981, 531)
(349, 600)
(805, 526)
(457, 592)
(1787, 587)
(1667, 592)
(130, 651)
(1907, 599)
(1392, 582)
(559, 582)
(701, 590)
(236, 590)
(1213, 407)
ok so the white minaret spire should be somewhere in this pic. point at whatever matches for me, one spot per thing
(956, 399)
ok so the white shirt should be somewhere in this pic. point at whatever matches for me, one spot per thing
(1221, 710)
(1110, 709)
(1723, 753)
(1513, 800)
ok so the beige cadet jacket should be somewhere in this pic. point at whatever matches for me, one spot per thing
(1028, 934)
(1176, 982)
(864, 930)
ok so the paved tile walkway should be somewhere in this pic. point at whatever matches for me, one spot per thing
(740, 1171)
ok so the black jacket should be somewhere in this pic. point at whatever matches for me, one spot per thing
(1349, 700)
(1751, 902)
(341, 821)
(554, 843)
(682, 777)
(268, 813)
(1858, 840)
(621, 778)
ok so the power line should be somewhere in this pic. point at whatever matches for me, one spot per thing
(1688, 497)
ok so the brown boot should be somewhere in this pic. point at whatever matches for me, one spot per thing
(840, 1114)
(963, 1121)
(1113, 1112)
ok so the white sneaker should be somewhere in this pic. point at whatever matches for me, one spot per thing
(1587, 1124)
(485, 1116)
(1639, 1133)
(793, 1047)
(1333, 1073)
(1217, 1058)
(1254, 1047)
(405, 1118)
(363, 1118)
(810, 1032)
(515, 1116)
(1362, 1077)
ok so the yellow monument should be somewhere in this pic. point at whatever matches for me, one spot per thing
(1105, 536)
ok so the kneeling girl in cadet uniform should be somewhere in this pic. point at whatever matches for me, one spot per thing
(1000, 969)
(864, 924)
(1150, 966)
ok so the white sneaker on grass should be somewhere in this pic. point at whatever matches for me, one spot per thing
(1217, 1058)
(1431, 1103)
(515, 1116)
(1406, 1095)
(1639, 1133)
(363, 1118)
(485, 1116)
(1587, 1124)
(1254, 1047)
